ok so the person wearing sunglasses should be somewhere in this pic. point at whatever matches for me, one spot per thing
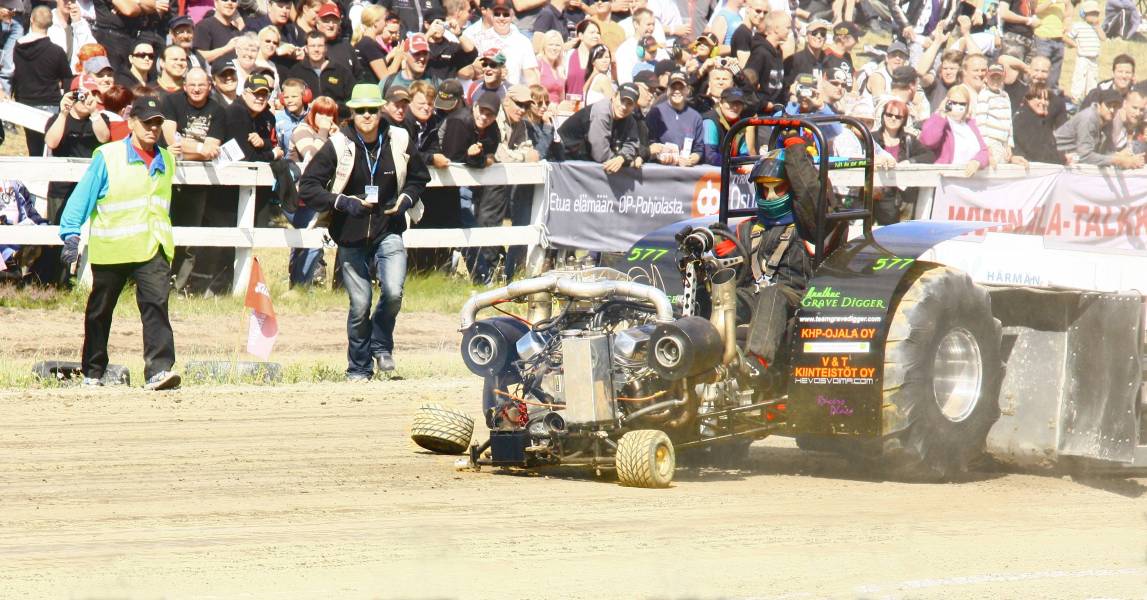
(953, 135)
(368, 177)
(1086, 138)
(141, 67)
(808, 59)
(893, 136)
(502, 35)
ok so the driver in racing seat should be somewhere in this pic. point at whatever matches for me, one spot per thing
(780, 240)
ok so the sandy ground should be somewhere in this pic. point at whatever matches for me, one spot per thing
(315, 491)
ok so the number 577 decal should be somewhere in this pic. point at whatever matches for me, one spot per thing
(888, 264)
(646, 253)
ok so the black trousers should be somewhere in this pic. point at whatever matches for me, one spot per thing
(152, 287)
(493, 205)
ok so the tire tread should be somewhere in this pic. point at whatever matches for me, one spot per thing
(441, 430)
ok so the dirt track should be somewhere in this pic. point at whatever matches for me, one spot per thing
(315, 491)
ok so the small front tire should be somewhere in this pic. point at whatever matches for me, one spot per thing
(441, 430)
(645, 459)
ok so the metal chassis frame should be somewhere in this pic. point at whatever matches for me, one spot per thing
(812, 125)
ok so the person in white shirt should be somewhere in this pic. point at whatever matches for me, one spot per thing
(630, 52)
(70, 30)
(627, 24)
(521, 63)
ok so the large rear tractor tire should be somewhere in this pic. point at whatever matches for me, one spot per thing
(441, 430)
(645, 459)
(942, 376)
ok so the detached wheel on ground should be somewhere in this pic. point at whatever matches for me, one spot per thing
(645, 459)
(441, 430)
(942, 376)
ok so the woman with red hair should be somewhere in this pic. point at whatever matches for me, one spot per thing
(116, 101)
(312, 133)
(306, 265)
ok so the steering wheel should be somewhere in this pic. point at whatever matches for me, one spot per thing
(740, 260)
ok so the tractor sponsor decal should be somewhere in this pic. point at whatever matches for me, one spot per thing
(836, 347)
(836, 370)
(838, 333)
(898, 264)
(834, 406)
(827, 297)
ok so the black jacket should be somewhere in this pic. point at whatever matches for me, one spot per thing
(314, 189)
(1035, 137)
(458, 133)
(41, 71)
(768, 63)
(336, 80)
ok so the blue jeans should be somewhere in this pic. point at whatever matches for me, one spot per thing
(303, 260)
(372, 334)
(1053, 49)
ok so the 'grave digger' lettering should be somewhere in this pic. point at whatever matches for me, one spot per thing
(827, 297)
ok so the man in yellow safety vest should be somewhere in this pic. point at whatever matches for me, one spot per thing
(126, 192)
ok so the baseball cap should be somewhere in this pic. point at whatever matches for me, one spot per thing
(818, 24)
(489, 100)
(257, 81)
(733, 94)
(996, 69)
(397, 93)
(181, 21)
(449, 95)
(629, 91)
(329, 9)
(904, 75)
(647, 78)
(85, 81)
(146, 108)
(678, 77)
(708, 38)
(222, 64)
(520, 93)
(495, 56)
(96, 64)
(417, 43)
(846, 28)
(504, 4)
(898, 47)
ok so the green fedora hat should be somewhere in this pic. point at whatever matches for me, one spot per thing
(365, 95)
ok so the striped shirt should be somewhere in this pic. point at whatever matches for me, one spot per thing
(1086, 39)
(994, 116)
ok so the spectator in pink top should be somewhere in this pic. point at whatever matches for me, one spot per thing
(953, 135)
(552, 74)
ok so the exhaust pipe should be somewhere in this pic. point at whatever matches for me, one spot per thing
(568, 286)
(724, 311)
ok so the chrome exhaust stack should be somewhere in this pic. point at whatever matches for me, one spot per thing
(571, 287)
(724, 311)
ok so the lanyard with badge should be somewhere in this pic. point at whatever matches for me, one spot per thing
(371, 191)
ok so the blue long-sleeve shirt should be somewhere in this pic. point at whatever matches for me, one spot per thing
(668, 126)
(94, 185)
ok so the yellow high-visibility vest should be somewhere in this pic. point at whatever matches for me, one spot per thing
(133, 220)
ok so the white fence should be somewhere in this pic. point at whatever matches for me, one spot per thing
(245, 237)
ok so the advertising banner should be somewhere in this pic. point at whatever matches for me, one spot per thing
(1099, 212)
(609, 213)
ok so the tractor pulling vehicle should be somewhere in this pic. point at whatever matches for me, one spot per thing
(892, 357)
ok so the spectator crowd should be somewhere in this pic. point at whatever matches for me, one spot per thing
(624, 83)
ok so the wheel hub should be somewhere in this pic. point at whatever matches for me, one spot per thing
(957, 374)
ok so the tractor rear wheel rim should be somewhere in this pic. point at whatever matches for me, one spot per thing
(957, 374)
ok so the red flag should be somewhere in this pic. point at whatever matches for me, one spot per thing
(264, 327)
